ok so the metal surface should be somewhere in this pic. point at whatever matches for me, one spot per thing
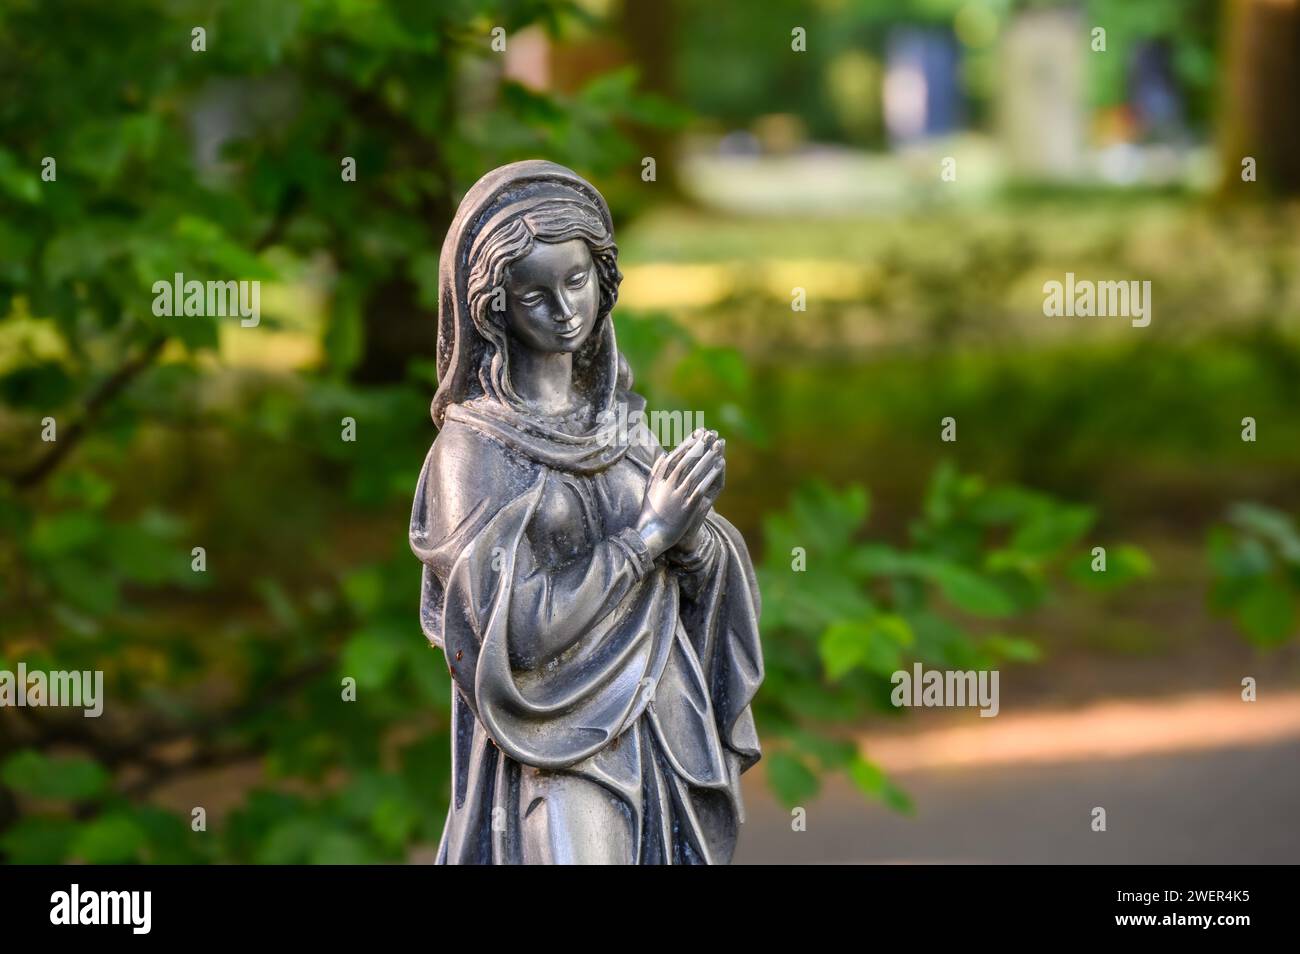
(599, 619)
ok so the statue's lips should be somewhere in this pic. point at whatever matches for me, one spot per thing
(569, 331)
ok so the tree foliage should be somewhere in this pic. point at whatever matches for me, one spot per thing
(1255, 562)
(227, 686)
(226, 163)
(843, 613)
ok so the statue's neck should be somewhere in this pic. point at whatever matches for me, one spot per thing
(544, 379)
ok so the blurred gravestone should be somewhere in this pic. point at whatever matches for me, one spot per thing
(1041, 94)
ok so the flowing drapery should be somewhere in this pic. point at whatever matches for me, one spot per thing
(636, 675)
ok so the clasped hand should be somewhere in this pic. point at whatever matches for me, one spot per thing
(682, 487)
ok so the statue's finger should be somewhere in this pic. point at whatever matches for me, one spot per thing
(698, 491)
(703, 444)
(690, 471)
(681, 452)
(701, 470)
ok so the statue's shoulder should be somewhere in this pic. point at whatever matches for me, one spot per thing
(465, 453)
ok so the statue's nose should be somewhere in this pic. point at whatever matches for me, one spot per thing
(565, 313)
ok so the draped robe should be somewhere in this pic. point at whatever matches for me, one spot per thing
(585, 673)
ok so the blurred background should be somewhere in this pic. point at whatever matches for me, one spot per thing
(836, 218)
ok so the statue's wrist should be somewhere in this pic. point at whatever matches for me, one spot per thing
(655, 536)
(692, 539)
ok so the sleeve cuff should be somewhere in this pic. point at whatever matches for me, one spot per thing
(699, 556)
(637, 552)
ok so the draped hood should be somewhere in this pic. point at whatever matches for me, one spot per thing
(464, 348)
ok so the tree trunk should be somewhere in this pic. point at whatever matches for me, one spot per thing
(647, 29)
(1261, 95)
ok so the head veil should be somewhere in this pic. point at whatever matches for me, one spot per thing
(466, 391)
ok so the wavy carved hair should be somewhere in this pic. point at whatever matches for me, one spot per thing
(560, 219)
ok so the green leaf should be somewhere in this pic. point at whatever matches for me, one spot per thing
(41, 776)
(942, 643)
(211, 241)
(878, 559)
(1014, 648)
(81, 486)
(19, 182)
(170, 841)
(64, 533)
(364, 589)
(873, 643)
(370, 659)
(1052, 528)
(1267, 613)
(344, 334)
(871, 781)
(394, 819)
(110, 839)
(1124, 564)
(831, 753)
(290, 842)
(819, 519)
(791, 779)
(341, 848)
(38, 841)
(142, 555)
(84, 584)
(897, 799)
(1272, 525)
(969, 591)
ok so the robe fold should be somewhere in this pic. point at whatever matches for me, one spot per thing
(591, 682)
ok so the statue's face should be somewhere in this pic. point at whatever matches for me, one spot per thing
(552, 295)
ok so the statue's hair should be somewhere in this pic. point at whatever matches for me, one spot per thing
(561, 219)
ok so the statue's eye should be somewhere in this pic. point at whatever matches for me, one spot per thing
(578, 279)
(531, 298)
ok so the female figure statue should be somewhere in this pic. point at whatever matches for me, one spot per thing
(599, 620)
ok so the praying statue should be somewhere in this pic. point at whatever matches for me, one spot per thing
(599, 619)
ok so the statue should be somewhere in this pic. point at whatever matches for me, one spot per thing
(599, 620)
